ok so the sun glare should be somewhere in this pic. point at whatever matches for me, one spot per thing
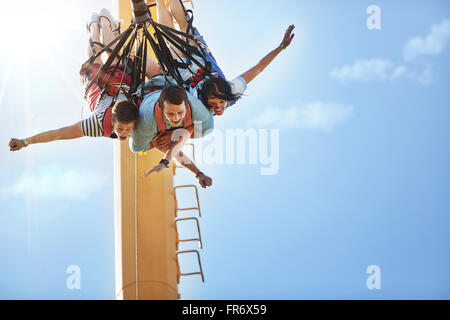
(30, 28)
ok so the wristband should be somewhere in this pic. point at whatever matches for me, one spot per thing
(25, 142)
(198, 173)
(164, 162)
(283, 46)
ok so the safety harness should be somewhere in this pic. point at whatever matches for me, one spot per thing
(133, 65)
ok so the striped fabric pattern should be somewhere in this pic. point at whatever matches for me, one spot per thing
(93, 125)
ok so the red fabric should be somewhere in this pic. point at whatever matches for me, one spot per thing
(107, 123)
(87, 73)
(195, 79)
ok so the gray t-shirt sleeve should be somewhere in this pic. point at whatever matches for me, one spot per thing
(146, 128)
(139, 142)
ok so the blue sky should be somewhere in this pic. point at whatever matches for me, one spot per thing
(364, 159)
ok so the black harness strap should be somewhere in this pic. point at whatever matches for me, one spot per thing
(177, 43)
(121, 40)
(189, 17)
(167, 59)
(100, 45)
(104, 49)
(136, 67)
(125, 53)
(144, 67)
(157, 52)
(160, 41)
(186, 48)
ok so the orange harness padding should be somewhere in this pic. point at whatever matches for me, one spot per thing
(161, 124)
(159, 116)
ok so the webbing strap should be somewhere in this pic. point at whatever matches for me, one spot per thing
(163, 37)
(113, 55)
(121, 40)
(180, 45)
(125, 52)
(104, 49)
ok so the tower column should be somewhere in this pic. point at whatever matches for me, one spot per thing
(145, 236)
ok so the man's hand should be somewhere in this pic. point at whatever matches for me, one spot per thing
(288, 37)
(16, 144)
(157, 168)
(204, 180)
(163, 141)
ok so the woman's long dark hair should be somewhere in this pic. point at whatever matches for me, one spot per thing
(219, 88)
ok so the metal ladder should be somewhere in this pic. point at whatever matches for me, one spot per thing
(179, 222)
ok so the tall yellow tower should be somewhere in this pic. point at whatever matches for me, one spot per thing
(145, 234)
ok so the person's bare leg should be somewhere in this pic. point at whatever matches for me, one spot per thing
(166, 18)
(152, 67)
(178, 13)
(94, 33)
(164, 15)
(107, 35)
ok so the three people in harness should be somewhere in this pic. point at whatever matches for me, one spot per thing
(115, 115)
(168, 116)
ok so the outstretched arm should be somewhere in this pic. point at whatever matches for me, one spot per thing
(171, 150)
(250, 74)
(71, 132)
(186, 162)
(180, 136)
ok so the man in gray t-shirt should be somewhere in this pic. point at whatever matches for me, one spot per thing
(173, 112)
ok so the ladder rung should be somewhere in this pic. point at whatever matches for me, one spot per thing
(199, 264)
(199, 239)
(186, 209)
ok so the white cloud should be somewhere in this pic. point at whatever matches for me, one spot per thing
(426, 77)
(432, 44)
(57, 184)
(323, 116)
(386, 70)
(380, 70)
(369, 70)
